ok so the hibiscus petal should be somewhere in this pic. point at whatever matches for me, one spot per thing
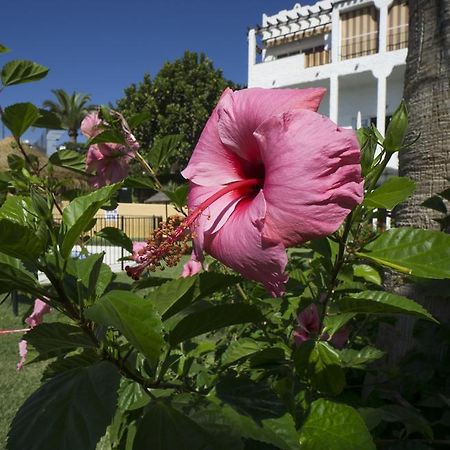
(312, 175)
(90, 126)
(239, 245)
(192, 267)
(211, 163)
(242, 112)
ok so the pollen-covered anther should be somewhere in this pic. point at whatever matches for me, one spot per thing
(168, 243)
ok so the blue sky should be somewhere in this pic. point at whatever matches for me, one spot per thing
(102, 46)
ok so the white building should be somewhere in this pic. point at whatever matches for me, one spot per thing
(354, 48)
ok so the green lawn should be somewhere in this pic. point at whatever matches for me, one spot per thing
(15, 386)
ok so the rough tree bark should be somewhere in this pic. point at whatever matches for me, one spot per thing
(427, 94)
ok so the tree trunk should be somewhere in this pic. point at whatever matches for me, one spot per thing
(73, 134)
(427, 94)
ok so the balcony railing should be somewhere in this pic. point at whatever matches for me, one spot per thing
(359, 46)
(397, 38)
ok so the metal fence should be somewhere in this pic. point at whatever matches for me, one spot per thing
(137, 228)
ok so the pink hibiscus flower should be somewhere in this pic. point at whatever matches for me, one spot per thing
(267, 173)
(110, 162)
(308, 327)
(23, 350)
(37, 316)
(278, 174)
(192, 267)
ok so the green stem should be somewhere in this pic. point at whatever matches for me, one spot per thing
(149, 169)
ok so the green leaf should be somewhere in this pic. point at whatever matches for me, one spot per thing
(368, 273)
(49, 120)
(162, 149)
(334, 426)
(242, 348)
(116, 237)
(167, 297)
(139, 182)
(131, 395)
(19, 117)
(390, 193)
(211, 319)
(54, 339)
(422, 253)
(396, 130)
(178, 196)
(110, 136)
(320, 364)
(13, 275)
(358, 359)
(18, 209)
(70, 412)
(137, 119)
(20, 71)
(252, 398)
(78, 214)
(93, 274)
(334, 323)
(19, 241)
(134, 317)
(69, 159)
(164, 428)
(381, 302)
(4, 49)
(436, 203)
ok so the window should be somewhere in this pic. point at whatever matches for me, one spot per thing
(397, 33)
(359, 32)
(316, 56)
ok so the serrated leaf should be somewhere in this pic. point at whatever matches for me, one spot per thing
(334, 323)
(252, 398)
(320, 364)
(18, 209)
(162, 149)
(108, 137)
(131, 395)
(390, 193)
(240, 349)
(69, 159)
(422, 253)
(368, 273)
(396, 130)
(69, 412)
(13, 275)
(116, 237)
(178, 196)
(21, 71)
(436, 203)
(357, 359)
(334, 426)
(164, 428)
(79, 213)
(211, 319)
(134, 317)
(19, 241)
(93, 274)
(139, 182)
(49, 120)
(54, 339)
(137, 119)
(19, 117)
(373, 302)
(166, 297)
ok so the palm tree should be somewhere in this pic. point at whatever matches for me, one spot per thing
(70, 109)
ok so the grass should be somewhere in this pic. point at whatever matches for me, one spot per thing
(16, 387)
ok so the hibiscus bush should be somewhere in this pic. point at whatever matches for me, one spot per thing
(267, 341)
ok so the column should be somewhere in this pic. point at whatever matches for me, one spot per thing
(382, 29)
(335, 35)
(381, 103)
(251, 53)
(334, 97)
